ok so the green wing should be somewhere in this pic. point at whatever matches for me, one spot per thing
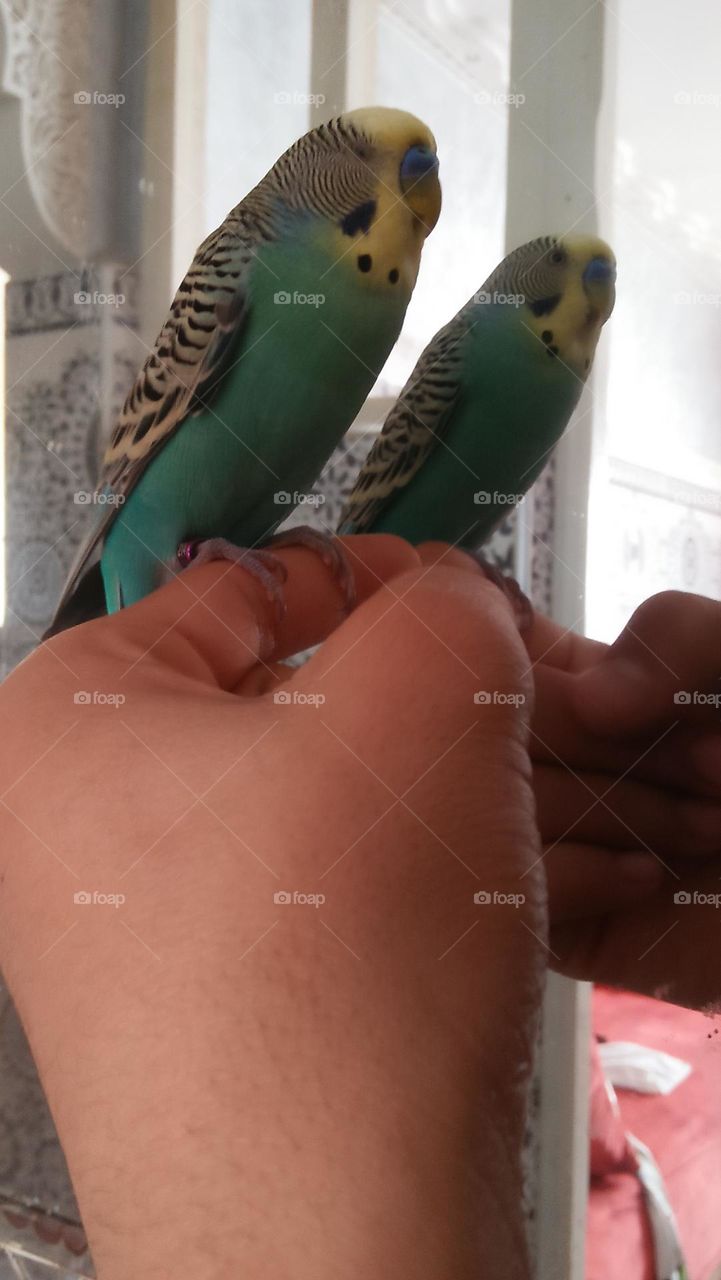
(415, 426)
(191, 355)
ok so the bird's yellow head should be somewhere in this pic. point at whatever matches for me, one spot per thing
(568, 288)
(369, 179)
(403, 158)
(387, 186)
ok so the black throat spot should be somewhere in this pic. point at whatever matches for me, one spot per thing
(359, 219)
(544, 306)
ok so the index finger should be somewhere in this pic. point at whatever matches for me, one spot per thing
(216, 623)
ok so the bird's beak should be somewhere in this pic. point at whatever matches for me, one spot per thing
(420, 186)
(599, 283)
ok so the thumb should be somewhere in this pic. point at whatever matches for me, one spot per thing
(664, 666)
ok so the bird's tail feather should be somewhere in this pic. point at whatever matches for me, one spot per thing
(86, 602)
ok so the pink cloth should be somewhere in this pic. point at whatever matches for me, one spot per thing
(682, 1129)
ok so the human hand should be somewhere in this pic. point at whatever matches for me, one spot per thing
(628, 785)
(249, 1085)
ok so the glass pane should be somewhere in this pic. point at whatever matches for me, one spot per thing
(449, 64)
(258, 94)
(656, 514)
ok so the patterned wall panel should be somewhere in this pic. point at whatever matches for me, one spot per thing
(56, 411)
(56, 408)
(662, 534)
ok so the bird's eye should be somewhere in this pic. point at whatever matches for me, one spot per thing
(558, 256)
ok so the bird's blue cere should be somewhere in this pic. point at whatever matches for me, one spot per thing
(599, 271)
(416, 163)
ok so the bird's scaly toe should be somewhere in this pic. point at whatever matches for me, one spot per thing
(331, 551)
(517, 598)
(266, 568)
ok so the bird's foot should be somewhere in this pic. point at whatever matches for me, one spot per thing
(266, 568)
(517, 598)
(331, 551)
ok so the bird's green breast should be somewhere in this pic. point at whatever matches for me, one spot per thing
(514, 402)
(315, 338)
(324, 348)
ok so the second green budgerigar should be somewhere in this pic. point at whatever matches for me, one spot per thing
(489, 398)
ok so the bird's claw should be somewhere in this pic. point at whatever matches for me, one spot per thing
(517, 598)
(266, 568)
(331, 551)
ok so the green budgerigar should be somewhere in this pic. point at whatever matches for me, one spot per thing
(273, 341)
(489, 398)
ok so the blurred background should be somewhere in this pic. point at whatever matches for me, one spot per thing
(130, 129)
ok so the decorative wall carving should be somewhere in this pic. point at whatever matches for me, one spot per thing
(47, 64)
(662, 534)
(77, 69)
(66, 299)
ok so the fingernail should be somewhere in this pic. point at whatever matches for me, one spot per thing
(267, 641)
